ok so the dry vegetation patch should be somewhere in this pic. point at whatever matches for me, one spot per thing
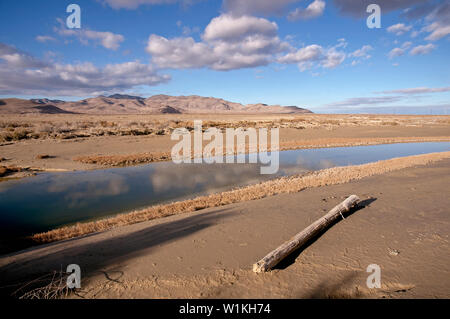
(21, 127)
(123, 160)
(6, 170)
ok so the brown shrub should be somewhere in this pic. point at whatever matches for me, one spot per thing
(43, 156)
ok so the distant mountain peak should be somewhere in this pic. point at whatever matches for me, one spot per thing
(156, 104)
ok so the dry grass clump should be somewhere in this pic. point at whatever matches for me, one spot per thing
(291, 184)
(343, 142)
(49, 286)
(43, 156)
(135, 159)
(6, 170)
(123, 160)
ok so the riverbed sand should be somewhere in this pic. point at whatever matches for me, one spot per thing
(403, 227)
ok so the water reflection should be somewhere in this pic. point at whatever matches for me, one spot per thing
(49, 200)
(79, 191)
(195, 177)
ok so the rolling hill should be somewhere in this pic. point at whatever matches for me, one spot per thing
(128, 104)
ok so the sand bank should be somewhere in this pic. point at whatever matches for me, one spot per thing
(404, 228)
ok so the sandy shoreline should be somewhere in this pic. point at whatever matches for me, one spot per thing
(209, 253)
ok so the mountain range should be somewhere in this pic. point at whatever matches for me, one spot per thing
(128, 104)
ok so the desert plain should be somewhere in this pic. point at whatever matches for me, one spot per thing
(205, 247)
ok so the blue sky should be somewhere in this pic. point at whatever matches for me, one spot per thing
(311, 53)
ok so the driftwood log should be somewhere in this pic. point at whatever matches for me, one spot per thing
(274, 257)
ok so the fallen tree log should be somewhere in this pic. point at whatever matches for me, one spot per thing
(274, 257)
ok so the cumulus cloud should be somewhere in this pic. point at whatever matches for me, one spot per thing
(422, 49)
(406, 45)
(361, 54)
(227, 27)
(312, 52)
(108, 40)
(15, 58)
(229, 42)
(21, 73)
(233, 42)
(179, 53)
(396, 52)
(399, 28)
(314, 56)
(313, 10)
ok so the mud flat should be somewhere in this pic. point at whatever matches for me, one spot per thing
(208, 253)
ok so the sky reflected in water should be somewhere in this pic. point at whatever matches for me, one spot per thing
(48, 200)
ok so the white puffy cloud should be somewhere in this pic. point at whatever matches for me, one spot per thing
(106, 39)
(179, 53)
(313, 10)
(312, 52)
(361, 54)
(333, 58)
(422, 49)
(396, 52)
(399, 28)
(406, 45)
(229, 42)
(233, 42)
(315, 56)
(228, 27)
(21, 73)
(18, 59)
